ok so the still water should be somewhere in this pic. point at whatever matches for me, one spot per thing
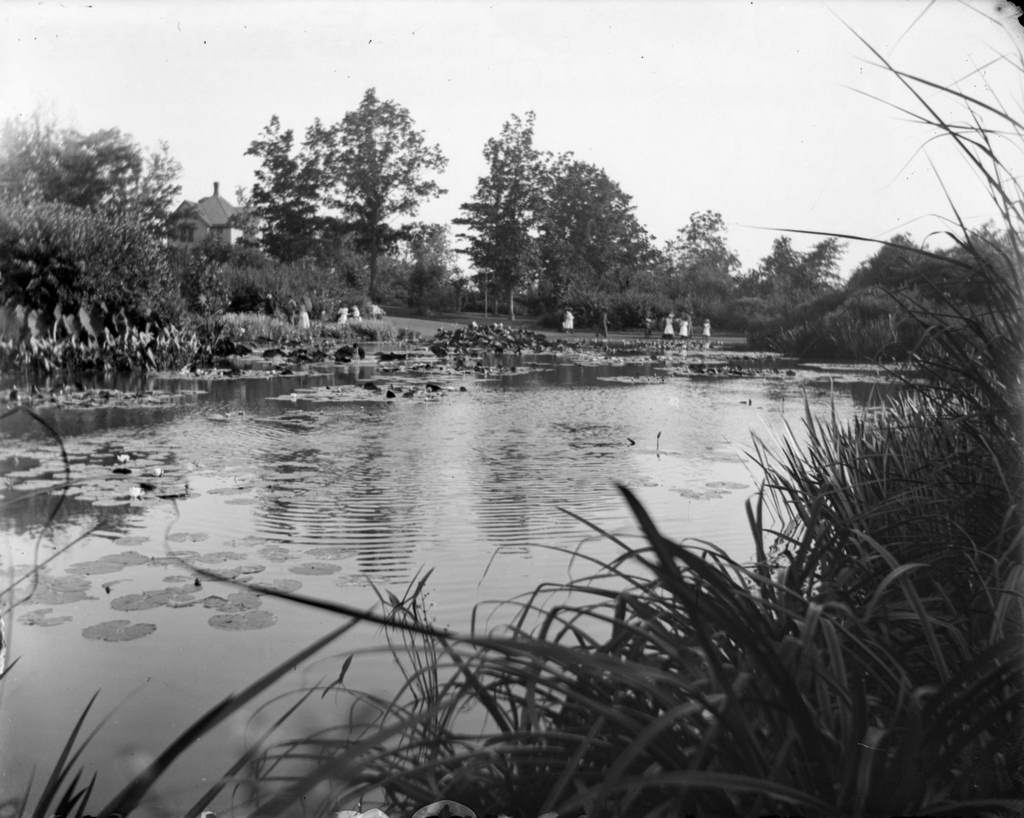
(313, 483)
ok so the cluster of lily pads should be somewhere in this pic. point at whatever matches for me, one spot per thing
(75, 395)
(494, 338)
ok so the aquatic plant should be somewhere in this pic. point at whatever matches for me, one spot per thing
(122, 348)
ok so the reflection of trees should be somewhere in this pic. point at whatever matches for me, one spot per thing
(341, 489)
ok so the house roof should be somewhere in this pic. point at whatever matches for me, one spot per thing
(213, 211)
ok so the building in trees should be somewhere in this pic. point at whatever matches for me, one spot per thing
(212, 218)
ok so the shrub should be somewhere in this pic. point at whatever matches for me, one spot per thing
(62, 260)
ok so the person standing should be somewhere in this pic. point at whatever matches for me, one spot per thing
(568, 321)
(707, 333)
(667, 334)
(684, 330)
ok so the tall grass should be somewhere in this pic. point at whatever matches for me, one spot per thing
(867, 663)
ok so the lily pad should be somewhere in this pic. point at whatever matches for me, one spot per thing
(234, 603)
(217, 556)
(187, 536)
(118, 630)
(108, 564)
(243, 621)
(241, 571)
(131, 539)
(328, 552)
(315, 568)
(275, 553)
(61, 590)
(42, 617)
(725, 484)
(230, 490)
(284, 585)
(150, 599)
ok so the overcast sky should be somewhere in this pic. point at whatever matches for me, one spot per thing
(754, 109)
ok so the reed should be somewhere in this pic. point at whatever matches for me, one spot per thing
(867, 663)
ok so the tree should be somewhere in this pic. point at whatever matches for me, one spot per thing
(590, 241)
(701, 262)
(790, 275)
(503, 217)
(377, 167)
(101, 171)
(287, 192)
(431, 265)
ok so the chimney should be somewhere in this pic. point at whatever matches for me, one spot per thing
(216, 188)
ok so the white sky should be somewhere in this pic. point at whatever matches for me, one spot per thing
(748, 108)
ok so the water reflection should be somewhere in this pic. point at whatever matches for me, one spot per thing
(327, 495)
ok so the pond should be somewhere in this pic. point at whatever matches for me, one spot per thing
(314, 482)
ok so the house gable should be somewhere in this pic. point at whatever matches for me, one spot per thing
(209, 218)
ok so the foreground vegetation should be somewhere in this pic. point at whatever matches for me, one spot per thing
(867, 662)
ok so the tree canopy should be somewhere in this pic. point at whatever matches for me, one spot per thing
(502, 218)
(103, 171)
(360, 176)
(793, 274)
(285, 197)
(590, 241)
(377, 167)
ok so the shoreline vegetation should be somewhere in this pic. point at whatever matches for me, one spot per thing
(868, 662)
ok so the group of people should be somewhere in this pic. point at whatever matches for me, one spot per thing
(569, 323)
(346, 314)
(678, 327)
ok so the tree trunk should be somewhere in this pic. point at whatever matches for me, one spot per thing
(374, 250)
(511, 304)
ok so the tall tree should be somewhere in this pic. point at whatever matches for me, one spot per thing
(503, 217)
(589, 238)
(792, 275)
(702, 263)
(103, 171)
(378, 168)
(287, 191)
